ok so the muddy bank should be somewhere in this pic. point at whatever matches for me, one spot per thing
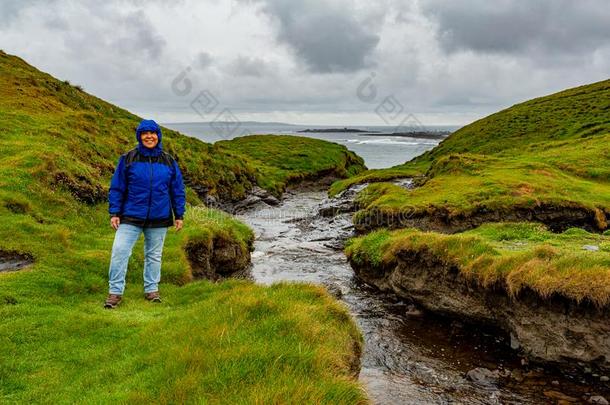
(217, 257)
(556, 331)
(440, 219)
(13, 261)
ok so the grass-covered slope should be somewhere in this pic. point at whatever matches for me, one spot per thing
(219, 343)
(62, 137)
(551, 123)
(577, 113)
(511, 256)
(540, 158)
(226, 343)
(281, 160)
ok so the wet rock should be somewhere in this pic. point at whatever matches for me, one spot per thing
(555, 383)
(413, 311)
(342, 203)
(405, 183)
(517, 375)
(559, 396)
(334, 290)
(604, 378)
(247, 203)
(514, 342)
(534, 374)
(264, 195)
(598, 399)
(483, 376)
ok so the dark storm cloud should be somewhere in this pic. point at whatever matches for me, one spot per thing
(325, 36)
(515, 26)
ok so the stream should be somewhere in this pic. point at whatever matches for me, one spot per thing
(409, 357)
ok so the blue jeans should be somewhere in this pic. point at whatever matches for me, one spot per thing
(124, 239)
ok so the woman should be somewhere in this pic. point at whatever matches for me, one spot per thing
(145, 190)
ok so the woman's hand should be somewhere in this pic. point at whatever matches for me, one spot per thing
(115, 222)
(178, 224)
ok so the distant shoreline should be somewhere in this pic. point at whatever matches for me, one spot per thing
(415, 134)
(419, 134)
(337, 130)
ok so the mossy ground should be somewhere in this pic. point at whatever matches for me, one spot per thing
(547, 152)
(231, 342)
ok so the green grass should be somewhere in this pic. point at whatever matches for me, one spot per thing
(283, 159)
(513, 256)
(231, 342)
(550, 151)
(559, 125)
(548, 154)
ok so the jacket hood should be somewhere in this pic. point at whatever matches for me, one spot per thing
(149, 125)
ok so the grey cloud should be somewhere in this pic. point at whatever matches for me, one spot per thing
(248, 66)
(142, 37)
(325, 36)
(57, 23)
(203, 60)
(514, 26)
(10, 10)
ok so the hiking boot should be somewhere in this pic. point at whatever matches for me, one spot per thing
(112, 301)
(153, 296)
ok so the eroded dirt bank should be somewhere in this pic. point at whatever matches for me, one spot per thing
(439, 219)
(557, 331)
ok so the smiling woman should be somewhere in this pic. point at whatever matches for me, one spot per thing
(146, 189)
(149, 139)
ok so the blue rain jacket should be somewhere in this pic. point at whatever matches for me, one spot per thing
(147, 186)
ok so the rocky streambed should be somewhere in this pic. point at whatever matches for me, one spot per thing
(412, 355)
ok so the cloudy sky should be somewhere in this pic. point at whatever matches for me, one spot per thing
(351, 62)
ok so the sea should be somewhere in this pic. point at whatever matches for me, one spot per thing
(378, 150)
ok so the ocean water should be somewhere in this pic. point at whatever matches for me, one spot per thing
(377, 151)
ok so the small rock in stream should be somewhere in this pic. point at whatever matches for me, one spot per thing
(412, 310)
(598, 399)
(517, 375)
(482, 376)
(334, 290)
(559, 396)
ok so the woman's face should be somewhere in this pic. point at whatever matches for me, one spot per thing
(149, 139)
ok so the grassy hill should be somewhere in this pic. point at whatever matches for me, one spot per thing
(543, 161)
(223, 343)
(281, 160)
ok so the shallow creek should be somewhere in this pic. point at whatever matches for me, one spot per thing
(409, 357)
